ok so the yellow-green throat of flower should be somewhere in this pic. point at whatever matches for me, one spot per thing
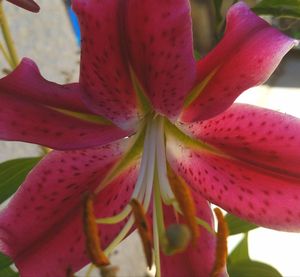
(156, 185)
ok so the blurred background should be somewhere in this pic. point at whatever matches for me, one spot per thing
(51, 38)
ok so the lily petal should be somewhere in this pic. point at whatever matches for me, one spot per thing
(25, 121)
(26, 4)
(41, 229)
(246, 57)
(27, 82)
(197, 260)
(161, 51)
(104, 71)
(255, 193)
(258, 136)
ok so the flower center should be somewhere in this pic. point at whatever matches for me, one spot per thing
(156, 181)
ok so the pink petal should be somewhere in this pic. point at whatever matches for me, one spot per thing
(25, 121)
(26, 82)
(26, 4)
(246, 57)
(104, 67)
(198, 260)
(42, 230)
(262, 137)
(161, 51)
(255, 193)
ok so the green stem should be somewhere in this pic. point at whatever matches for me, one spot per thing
(8, 38)
(6, 55)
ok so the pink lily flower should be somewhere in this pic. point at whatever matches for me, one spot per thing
(167, 119)
(26, 4)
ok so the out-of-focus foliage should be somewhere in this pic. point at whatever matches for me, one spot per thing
(237, 225)
(8, 272)
(4, 261)
(12, 174)
(240, 252)
(280, 8)
(286, 14)
(239, 263)
(5, 270)
(252, 268)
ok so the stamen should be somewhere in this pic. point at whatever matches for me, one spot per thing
(165, 189)
(221, 250)
(186, 203)
(205, 225)
(91, 231)
(143, 187)
(90, 270)
(144, 229)
(176, 239)
(125, 230)
(109, 271)
(115, 219)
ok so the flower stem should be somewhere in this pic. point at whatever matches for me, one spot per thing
(6, 55)
(14, 60)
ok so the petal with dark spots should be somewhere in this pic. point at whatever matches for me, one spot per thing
(41, 229)
(26, 121)
(247, 55)
(161, 51)
(257, 136)
(197, 260)
(27, 82)
(104, 72)
(259, 195)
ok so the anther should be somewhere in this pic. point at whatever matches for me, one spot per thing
(221, 248)
(109, 271)
(144, 229)
(186, 202)
(176, 239)
(92, 234)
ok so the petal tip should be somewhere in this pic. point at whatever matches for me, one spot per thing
(238, 8)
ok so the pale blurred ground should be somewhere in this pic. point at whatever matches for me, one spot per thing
(47, 38)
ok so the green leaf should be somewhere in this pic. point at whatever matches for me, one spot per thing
(252, 268)
(8, 272)
(218, 7)
(286, 8)
(4, 261)
(13, 173)
(197, 55)
(240, 252)
(237, 225)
